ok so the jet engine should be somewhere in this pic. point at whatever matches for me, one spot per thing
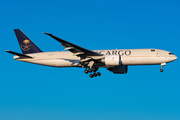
(119, 69)
(112, 60)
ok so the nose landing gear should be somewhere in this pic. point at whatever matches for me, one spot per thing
(162, 65)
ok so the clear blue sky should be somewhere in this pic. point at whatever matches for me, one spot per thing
(34, 92)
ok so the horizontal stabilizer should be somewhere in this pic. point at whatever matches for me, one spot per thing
(18, 54)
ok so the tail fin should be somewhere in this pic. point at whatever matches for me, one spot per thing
(26, 45)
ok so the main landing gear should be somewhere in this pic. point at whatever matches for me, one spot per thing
(162, 65)
(90, 70)
(92, 67)
(95, 75)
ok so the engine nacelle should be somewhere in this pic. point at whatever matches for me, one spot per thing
(119, 69)
(112, 60)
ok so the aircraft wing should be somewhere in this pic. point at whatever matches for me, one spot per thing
(75, 49)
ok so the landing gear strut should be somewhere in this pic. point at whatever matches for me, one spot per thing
(162, 65)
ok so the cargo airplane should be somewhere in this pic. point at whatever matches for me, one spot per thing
(116, 61)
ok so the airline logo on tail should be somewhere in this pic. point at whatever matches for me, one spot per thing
(25, 45)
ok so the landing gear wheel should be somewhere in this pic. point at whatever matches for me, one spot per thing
(91, 76)
(95, 75)
(90, 70)
(86, 71)
(162, 65)
(93, 69)
(98, 73)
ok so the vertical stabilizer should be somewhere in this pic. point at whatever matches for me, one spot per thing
(26, 45)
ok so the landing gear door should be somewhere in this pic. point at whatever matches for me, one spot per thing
(158, 53)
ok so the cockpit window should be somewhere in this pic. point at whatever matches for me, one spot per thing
(152, 50)
(171, 54)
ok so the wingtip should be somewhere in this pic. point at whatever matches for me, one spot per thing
(6, 50)
(47, 33)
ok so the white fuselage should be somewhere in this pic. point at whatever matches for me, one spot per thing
(128, 57)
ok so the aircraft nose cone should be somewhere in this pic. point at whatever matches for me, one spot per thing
(172, 58)
(175, 57)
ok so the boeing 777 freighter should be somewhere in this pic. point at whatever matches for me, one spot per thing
(116, 61)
